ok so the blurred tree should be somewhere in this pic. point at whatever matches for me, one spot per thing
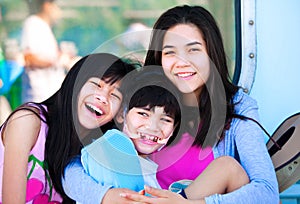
(91, 23)
(94, 23)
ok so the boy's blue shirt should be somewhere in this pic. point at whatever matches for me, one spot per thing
(112, 159)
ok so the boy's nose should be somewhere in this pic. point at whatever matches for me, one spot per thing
(153, 125)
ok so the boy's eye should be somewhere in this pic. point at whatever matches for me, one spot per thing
(168, 119)
(143, 113)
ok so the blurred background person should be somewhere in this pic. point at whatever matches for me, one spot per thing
(45, 64)
(135, 40)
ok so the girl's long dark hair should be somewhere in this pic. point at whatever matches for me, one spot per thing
(63, 142)
(200, 17)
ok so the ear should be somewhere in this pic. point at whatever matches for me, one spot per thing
(120, 116)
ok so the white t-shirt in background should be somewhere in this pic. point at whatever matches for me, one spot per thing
(37, 38)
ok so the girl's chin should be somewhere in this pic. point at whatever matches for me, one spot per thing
(185, 89)
(92, 124)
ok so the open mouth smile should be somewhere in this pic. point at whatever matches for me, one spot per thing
(185, 74)
(153, 138)
(94, 109)
(148, 137)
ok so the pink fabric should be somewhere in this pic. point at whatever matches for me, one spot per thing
(38, 189)
(181, 161)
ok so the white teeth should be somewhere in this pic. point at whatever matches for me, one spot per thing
(185, 74)
(97, 110)
(163, 141)
(148, 137)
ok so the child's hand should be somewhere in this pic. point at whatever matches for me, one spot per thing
(158, 196)
(142, 192)
(114, 196)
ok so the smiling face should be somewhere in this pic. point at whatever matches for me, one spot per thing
(184, 58)
(98, 103)
(148, 128)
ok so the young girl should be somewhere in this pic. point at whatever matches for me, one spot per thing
(187, 43)
(39, 139)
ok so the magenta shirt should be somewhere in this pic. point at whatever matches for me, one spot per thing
(182, 157)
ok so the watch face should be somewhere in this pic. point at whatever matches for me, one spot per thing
(178, 186)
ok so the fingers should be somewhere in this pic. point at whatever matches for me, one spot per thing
(112, 196)
(142, 192)
(155, 192)
(138, 198)
(154, 196)
(141, 198)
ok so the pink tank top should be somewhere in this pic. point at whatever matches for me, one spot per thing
(39, 187)
(181, 161)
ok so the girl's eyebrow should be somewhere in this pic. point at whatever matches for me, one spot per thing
(194, 43)
(167, 46)
(188, 44)
(94, 81)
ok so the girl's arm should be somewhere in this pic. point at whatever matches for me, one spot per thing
(19, 136)
(84, 189)
(247, 139)
(81, 187)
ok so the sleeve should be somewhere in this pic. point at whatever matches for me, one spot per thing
(247, 140)
(30, 38)
(81, 187)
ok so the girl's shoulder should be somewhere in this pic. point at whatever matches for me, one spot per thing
(24, 125)
(30, 110)
(28, 113)
(243, 101)
(25, 117)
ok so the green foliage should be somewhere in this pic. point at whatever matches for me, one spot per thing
(92, 24)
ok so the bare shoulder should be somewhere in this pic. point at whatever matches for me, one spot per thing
(23, 124)
(30, 115)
